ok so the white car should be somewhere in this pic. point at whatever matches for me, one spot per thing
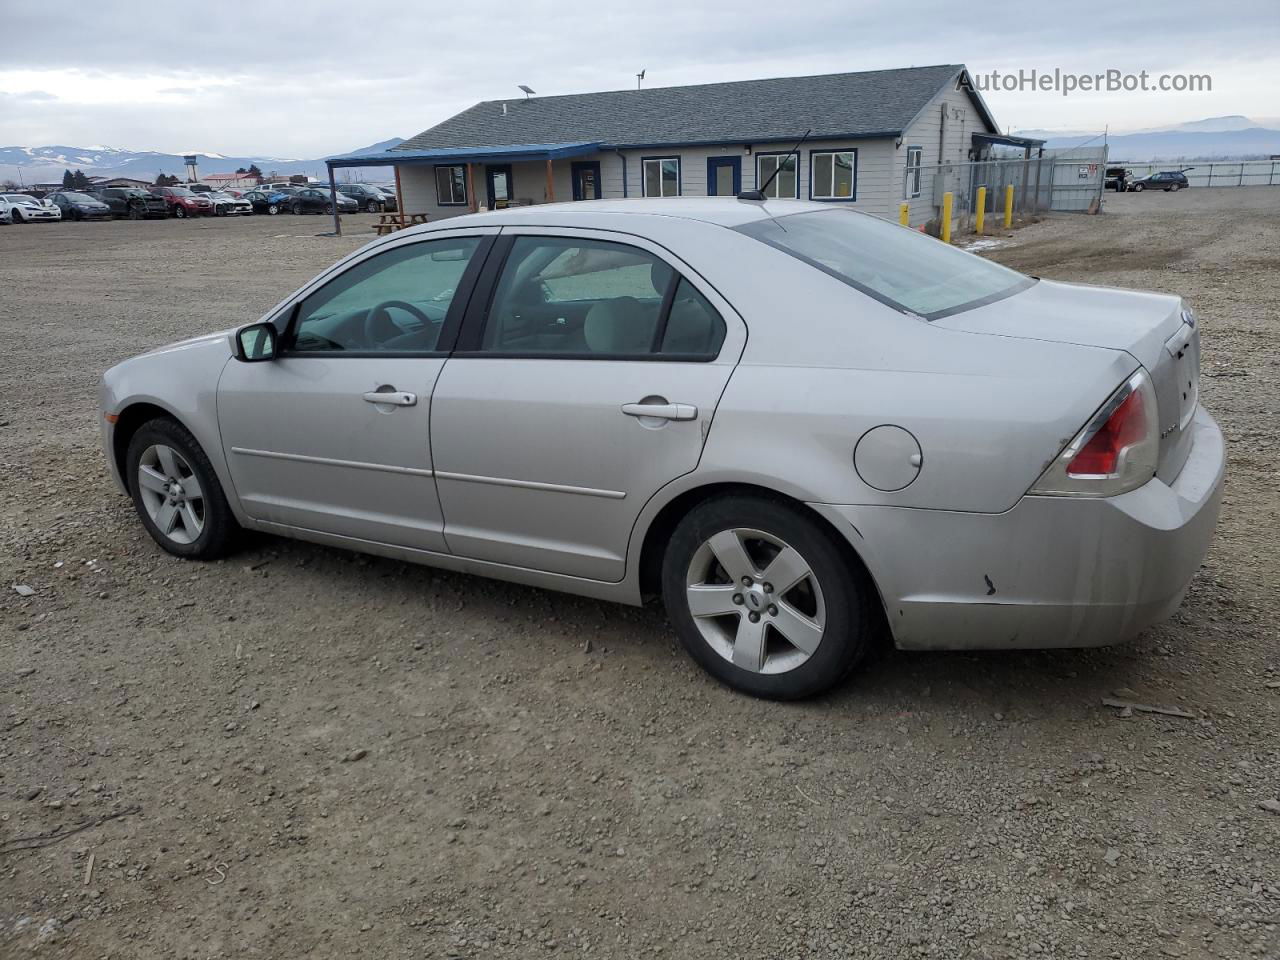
(24, 208)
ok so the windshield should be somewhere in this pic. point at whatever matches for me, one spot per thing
(907, 270)
(20, 198)
(181, 192)
(80, 196)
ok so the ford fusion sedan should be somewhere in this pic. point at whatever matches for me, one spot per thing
(314, 200)
(803, 428)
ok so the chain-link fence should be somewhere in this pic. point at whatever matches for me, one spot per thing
(1039, 184)
(1241, 173)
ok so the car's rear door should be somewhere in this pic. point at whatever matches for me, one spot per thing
(586, 377)
(333, 435)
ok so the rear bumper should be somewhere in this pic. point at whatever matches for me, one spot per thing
(1051, 571)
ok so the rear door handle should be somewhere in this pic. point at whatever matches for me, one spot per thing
(663, 411)
(396, 398)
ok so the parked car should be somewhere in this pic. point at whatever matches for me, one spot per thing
(198, 187)
(368, 197)
(132, 202)
(226, 205)
(267, 201)
(1118, 179)
(183, 203)
(912, 440)
(79, 206)
(312, 200)
(1167, 180)
(24, 208)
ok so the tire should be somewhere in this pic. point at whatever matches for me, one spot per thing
(1175, 188)
(836, 602)
(179, 211)
(296, 210)
(273, 209)
(374, 207)
(134, 212)
(200, 527)
(17, 216)
(1137, 188)
(328, 209)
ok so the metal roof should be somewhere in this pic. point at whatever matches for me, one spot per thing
(874, 103)
(512, 153)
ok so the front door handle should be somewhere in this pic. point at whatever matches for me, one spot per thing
(396, 398)
(662, 411)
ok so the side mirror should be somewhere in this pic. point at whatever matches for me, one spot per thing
(256, 343)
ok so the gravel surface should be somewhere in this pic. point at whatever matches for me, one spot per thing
(304, 752)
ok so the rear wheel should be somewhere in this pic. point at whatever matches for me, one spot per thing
(176, 492)
(297, 209)
(763, 597)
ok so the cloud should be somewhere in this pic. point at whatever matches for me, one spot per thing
(339, 77)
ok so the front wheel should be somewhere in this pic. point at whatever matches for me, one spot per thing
(297, 209)
(1138, 188)
(273, 209)
(180, 212)
(176, 492)
(17, 216)
(764, 598)
(374, 207)
(135, 212)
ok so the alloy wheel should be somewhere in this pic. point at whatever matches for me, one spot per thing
(755, 600)
(171, 493)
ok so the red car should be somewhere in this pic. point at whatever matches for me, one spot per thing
(183, 203)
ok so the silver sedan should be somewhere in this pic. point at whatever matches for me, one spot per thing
(803, 427)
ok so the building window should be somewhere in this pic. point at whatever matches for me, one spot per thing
(786, 185)
(451, 186)
(832, 174)
(661, 176)
(914, 156)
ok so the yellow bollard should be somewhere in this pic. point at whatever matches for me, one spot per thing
(947, 200)
(904, 214)
(980, 215)
(1008, 206)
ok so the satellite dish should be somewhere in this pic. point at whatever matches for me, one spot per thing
(527, 90)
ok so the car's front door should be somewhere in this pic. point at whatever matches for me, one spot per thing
(333, 434)
(585, 378)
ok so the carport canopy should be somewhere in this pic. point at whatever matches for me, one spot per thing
(510, 153)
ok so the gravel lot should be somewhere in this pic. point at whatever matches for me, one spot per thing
(305, 752)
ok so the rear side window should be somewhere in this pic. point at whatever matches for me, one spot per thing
(593, 299)
(906, 270)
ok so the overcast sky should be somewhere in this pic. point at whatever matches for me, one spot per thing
(318, 77)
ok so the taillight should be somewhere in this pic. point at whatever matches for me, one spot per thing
(1117, 451)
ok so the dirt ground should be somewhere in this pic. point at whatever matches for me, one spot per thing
(308, 753)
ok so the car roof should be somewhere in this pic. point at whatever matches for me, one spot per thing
(720, 211)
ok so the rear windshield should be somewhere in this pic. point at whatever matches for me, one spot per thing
(907, 270)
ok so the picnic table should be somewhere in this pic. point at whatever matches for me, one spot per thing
(391, 222)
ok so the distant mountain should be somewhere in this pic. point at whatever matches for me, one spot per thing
(378, 147)
(1214, 138)
(47, 164)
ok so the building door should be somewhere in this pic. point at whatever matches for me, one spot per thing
(586, 180)
(501, 187)
(724, 176)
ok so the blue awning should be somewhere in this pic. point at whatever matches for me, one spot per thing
(513, 153)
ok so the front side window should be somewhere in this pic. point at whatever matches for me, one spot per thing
(451, 185)
(914, 155)
(907, 270)
(785, 185)
(596, 299)
(832, 174)
(395, 302)
(662, 177)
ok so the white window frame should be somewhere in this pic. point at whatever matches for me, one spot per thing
(853, 175)
(911, 183)
(440, 200)
(761, 178)
(644, 176)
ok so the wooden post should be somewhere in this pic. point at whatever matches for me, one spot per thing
(471, 190)
(551, 187)
(333, 199)
(399, 197)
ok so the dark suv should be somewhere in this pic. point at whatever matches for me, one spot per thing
(369, 198)
(1166, 180)
(132, 203)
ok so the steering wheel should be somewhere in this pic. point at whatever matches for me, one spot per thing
(378, 325)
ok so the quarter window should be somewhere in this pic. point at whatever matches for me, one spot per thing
(451, 185)
(832, 174)
(395, 302)
(914, 156)
(786, 184)
(662, 177)
(561, 296)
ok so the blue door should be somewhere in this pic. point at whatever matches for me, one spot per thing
(586, 180)
(724, 176)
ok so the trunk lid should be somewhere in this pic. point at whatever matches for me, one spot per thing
(1150, 327)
